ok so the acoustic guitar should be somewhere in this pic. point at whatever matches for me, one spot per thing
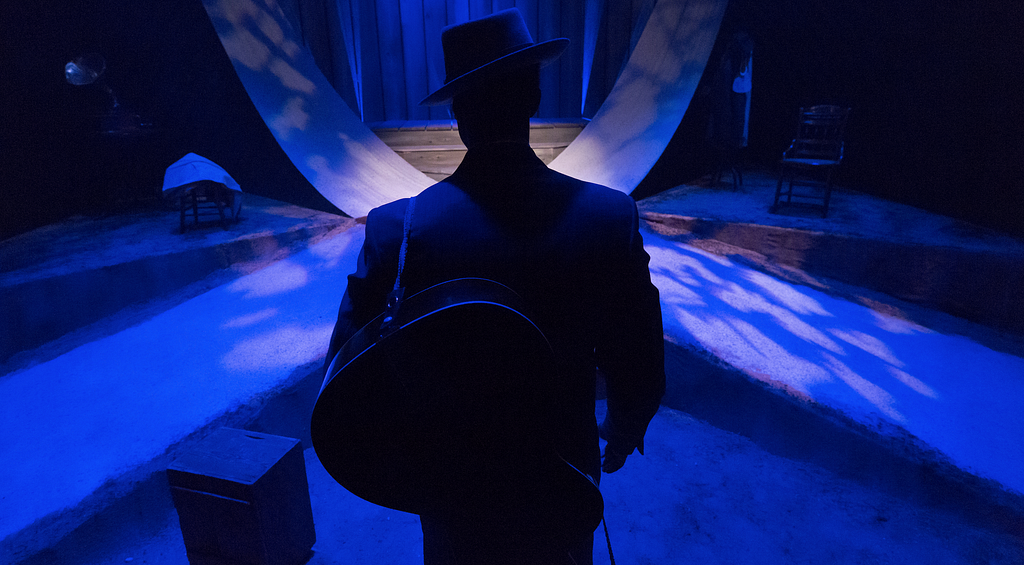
(444, 405)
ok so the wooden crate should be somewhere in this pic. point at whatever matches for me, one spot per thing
(243, 498)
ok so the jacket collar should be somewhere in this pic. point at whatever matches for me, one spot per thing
(502, 164)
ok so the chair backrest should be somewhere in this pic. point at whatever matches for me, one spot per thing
(819, 134)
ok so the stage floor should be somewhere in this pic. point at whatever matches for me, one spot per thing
(783, 373)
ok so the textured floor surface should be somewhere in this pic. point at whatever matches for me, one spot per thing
(106, 404)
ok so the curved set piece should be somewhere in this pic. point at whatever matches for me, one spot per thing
(355, 171)
(324, 139)
(634, 125)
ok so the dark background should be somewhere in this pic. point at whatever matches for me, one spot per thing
(935, 89)
(166, 64)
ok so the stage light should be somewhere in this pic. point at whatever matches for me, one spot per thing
(88, 69)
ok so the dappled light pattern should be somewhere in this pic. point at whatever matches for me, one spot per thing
(641, 113)
(290, 346)
(355, 171)
(246, 320)
(912, 382)
(151, 385)
(324, 139)
(875, 368)
(280, 277)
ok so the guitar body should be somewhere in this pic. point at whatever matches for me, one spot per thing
(448, 412)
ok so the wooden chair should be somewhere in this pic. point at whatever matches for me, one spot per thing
(812, 158)
(207, 199)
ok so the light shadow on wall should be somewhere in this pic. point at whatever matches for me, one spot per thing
(638, 119)
(325, 141)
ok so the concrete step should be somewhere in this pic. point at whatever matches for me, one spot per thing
(871, 388)
(889, 392)
(897, 250)
(259, 370)
(97, 420)
(63, 277)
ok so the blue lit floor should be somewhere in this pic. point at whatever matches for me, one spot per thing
(700, 495)
(84, 426)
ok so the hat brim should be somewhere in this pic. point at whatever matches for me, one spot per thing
(543, 53)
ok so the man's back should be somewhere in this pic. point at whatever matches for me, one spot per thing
(570, 249)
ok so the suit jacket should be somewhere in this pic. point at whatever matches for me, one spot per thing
(570, 249)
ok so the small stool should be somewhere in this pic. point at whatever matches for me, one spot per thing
(243, 498)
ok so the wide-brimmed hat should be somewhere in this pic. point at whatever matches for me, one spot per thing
(488, 47)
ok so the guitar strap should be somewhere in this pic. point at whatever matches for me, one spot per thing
(406, 227)
(397, 293)
(611, 556)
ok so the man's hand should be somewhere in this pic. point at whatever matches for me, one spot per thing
(616, 449)
(613, 459)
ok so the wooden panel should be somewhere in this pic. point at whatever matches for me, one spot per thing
(435, 148)
(547, 154)
(434, 19)
(342, 58)
(529, 9)
(571, 63)
(447, 124)
(402, 61)
(458, 11)
(443, 162)
(551, 137)
(549, 26)
(539, 123)
(593, 11)
(407, 140)
(414, 48)
(392, 60)
(619, 19)
(372, 83)
(419, 135)
(598, 89)
(390, 125)
(414, 125)
(479, 9)
(433, 163)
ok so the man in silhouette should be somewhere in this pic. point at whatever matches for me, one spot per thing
(572, 250)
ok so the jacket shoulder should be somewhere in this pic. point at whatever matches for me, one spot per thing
(384, 225)
(596, 193)
(605, 205)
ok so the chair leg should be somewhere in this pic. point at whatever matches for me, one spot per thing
(828, 193)
(778, 188)
(223, 217)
